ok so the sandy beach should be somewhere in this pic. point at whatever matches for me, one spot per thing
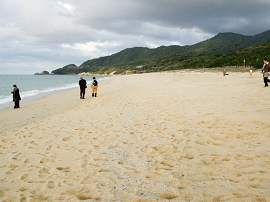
(168, 136)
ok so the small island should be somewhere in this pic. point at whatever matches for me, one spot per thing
(42, 73)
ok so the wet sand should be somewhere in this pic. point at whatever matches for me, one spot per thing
(169, 136)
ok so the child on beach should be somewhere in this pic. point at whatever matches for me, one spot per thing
(94, 87)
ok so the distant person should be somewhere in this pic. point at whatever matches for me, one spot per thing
(16, 97)
(224, 72)
(94, 87)
(83, 86)
(250, 73)
(266, 72)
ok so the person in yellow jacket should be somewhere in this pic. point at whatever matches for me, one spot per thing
(94, 87)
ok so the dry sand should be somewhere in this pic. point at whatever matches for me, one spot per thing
(170, 136)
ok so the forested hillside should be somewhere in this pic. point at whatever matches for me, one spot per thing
(224, 49)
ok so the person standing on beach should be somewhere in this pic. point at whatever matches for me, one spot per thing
(266, 72)
(94, 87)
(16, 97)
(83, 86)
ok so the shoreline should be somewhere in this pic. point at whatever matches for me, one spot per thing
(30, 98)
(38, 107)
(178, 136)
(41, 91)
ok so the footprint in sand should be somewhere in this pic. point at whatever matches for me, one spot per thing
(66, 138)
(44, 170)
(64, 168)
(51, 185)
(49, 147)
(168, 195)
(45, 160)
(3, 192)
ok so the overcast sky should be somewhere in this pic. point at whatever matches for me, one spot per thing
(37, 35)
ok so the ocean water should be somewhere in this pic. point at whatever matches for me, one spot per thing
(32, 86)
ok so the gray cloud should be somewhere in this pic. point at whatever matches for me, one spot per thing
(39, 35)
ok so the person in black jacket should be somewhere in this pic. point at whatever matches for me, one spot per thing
(83, 86)
(266, 72)
(16, 97)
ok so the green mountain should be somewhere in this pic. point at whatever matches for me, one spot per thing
(173, 57)
(229, 42)
(251, 56)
